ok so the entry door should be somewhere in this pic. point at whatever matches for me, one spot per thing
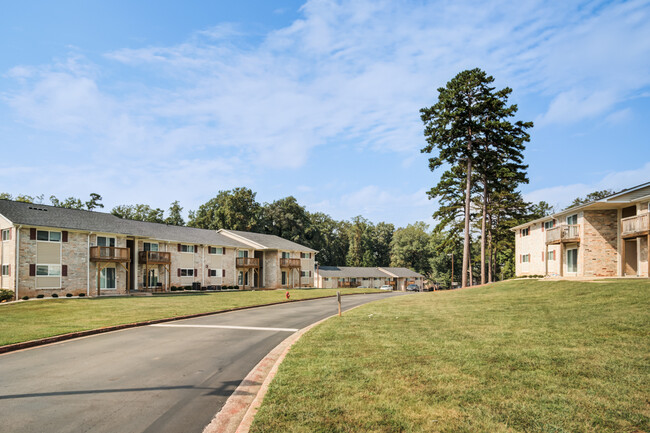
(631, 259)
(572, 260)
(153, 278)
(107, 279)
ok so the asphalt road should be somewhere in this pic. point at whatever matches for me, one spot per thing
(148, 379)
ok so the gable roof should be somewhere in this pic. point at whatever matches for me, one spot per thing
(264, 242)
(73, 219)
(366, 272)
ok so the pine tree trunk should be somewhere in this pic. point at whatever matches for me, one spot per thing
(490, 249)
(467, 217)
(485, 193)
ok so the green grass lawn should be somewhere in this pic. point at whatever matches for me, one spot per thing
(518, 356)
(30, 320)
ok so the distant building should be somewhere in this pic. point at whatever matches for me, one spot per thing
(47, 250)
(345, 276)
(604, 238)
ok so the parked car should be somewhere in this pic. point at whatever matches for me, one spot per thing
(412, 288)
(386, 287)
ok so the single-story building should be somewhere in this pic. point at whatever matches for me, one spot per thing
(347, 276)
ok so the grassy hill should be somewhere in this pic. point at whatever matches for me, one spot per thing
(518, 356)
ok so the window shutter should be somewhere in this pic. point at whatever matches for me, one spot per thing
(32, 270)
(542, 227)
(9, 270)
(179, 248)
(209, 272)
(223, 272)
(196, 272)
(196, 249)
(32, 234)
(64, 236)
(542, 255)
(179, 272)
(64, 270)
(520, 232)
(223, 251)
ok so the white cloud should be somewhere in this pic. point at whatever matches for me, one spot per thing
(562, 196)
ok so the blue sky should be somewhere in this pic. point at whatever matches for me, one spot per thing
(153, 102)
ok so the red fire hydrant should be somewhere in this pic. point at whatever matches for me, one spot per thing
(287, 295)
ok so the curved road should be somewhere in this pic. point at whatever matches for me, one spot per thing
(162, 378)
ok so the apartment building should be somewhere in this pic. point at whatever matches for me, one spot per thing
(331, 277)
(47, 250)
(604, 238)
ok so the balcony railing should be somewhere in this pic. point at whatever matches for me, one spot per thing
(110, 254)
(290, 263)
(154, 257)
(563, 233)
(248, 262)
(635, 225)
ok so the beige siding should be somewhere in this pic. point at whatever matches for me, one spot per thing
(48, 252)
(48, 282)
(8, 255)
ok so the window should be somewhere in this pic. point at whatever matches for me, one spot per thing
(525, 258)
(572, 219)
(326, 279)
(107, 278)
(551, 255)
(5, 270)
(187, 272)
(150, 246)
(214, 272)
(549, 224)
(284, 278)
(286, 255)
(48, 270)
(215, 250)
(187, 248)
(305, 274)
(6, 234)
(525, 232)
(242, 253)
(305, 255)
(103, 241)
(46, 236)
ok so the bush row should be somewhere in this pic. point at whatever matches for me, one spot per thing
(204, 288)
(53, 295)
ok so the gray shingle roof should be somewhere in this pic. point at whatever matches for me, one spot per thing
(403, 272)
(365, 272)
(270, 242)
(72, 219)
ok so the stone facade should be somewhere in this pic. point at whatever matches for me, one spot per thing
(599, 240)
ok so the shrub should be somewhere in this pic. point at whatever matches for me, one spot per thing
(173, 288)
(40, 295)
(54, 295)
(6, 295)
(68, 295)
(24, 298)
(187, 288)
(82, 294)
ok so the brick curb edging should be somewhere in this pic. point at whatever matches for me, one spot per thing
(57, 338)
(238, 413)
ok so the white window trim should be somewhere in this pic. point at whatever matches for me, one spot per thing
(49, 270)
(5, 267)
(157, 244)
(100, 278)
(187, 247)
(218, 273)
(5, 232)
(49, 236)
(108, 238)
(216, 251)
(187, 270)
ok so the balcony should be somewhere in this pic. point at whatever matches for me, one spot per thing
(563, 233)
(154, 257)
(290, 263)
(247, 262)
(110, 254)
(635, 226)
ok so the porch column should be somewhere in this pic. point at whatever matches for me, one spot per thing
(561, 259)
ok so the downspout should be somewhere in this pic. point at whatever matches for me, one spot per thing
(203, 266)
(88, 268)
(17, 254)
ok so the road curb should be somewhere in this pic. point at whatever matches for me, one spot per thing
(72, 335)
